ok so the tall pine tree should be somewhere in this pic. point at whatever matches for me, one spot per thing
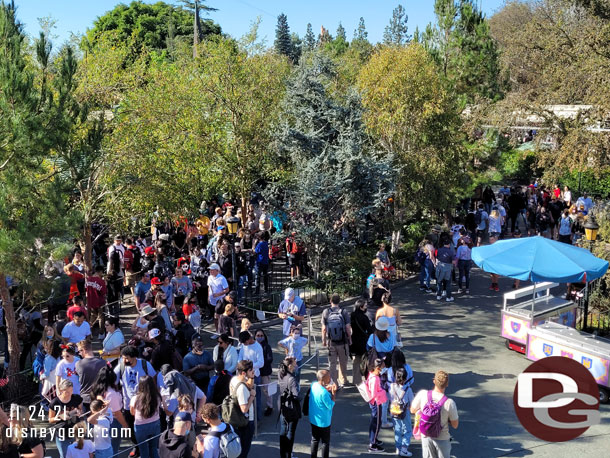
(395, 33)
(339, 179)
(360, 34)
(309, 40)
(283, 42)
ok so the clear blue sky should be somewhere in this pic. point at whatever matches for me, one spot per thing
(235, 16)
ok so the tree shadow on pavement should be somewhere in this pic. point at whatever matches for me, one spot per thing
(444, 344)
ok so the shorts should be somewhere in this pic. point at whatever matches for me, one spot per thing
(480, 234)
(294, 259)
(131, 278)
(495, 235)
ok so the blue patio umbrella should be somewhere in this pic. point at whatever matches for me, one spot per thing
(539, 259)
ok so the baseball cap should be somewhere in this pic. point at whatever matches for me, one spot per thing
(154, 333)
(220, 228)
(118, 237)
(156, 281)
(149, 250)
(214, 267)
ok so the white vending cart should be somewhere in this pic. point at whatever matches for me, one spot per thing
(554, 339)
(540, 307)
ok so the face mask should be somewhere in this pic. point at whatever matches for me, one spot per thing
(260, 339)
(186, 433)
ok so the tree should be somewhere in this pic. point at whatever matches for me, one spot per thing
(149, 25)
(412, 115)
(32, 209)
(396, 31)
(309, 41)
(283, 42)
(360, 34)
(339, 179)
(297, 47)
(462, 45)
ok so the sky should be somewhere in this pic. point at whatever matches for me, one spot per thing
(236, 16)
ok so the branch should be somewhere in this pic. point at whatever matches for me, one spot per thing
(8, 159)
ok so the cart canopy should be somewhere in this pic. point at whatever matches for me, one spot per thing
(539, 259)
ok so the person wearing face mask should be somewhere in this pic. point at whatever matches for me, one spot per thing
(129, 371)
(226, 352)
(66, 368)
(293, 346)
(266, 370)
(251, 350)
(198, 363)
(361, 330)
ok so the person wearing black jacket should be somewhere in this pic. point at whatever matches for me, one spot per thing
(174, 442)
(288, 426)
(184, 333)
(515, 205)
(266, 370)
(162, 350)
(361, 330)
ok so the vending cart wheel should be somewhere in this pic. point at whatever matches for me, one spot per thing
(604, 395)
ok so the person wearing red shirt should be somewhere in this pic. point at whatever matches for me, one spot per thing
(75, 278)
(96, 299)
(77, 306)
(557, 192)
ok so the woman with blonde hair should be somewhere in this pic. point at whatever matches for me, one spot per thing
(81, 448)
(14, 438)
(226, 324)
(392, 314)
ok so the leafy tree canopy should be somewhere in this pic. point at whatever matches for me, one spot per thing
(149, 25)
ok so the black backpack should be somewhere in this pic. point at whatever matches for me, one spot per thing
(306, 402)
(478, 217)
(136, 264)
(290, 407)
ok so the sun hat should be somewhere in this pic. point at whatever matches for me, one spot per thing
(382, 323)
(147, 310)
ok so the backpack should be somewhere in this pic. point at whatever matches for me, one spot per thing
(398, 408)
(421, 256)
(136, 263)
(230, 445)
(368, 361)
(335, 326)
(290, 407)
(430, 421)
(231, 411)
(478, 217)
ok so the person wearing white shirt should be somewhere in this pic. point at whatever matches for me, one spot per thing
(76, 330)
(217, 286)
(292, 310)
(251, 350)
(229, 353)
(210, 446)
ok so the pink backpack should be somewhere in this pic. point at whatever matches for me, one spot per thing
(430, 422)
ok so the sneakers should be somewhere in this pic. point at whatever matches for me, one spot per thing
(403, 452)
(496, 288)
(460, 291)
(268, 411)
(375, 448)
(444, 293)
(492, 287)
(467, 291)
(428, 290)
(438, 298)
(450, 299)
(422, 288)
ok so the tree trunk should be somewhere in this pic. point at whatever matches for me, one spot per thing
(88, 248)
(244, 209)
(396, 235)
(14, 350)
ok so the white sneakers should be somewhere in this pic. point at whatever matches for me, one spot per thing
(450, 299)
(400, 452)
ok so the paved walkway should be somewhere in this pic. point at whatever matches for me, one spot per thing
(462, 338)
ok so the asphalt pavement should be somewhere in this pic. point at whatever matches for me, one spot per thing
(462, 338)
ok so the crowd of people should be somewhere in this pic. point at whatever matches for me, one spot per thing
(163, 385)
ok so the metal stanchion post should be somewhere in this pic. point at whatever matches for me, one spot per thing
(317, 360)
(309, 333)
(255, 416)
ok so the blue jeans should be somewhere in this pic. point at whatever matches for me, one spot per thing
(428, 269)
(149, 449)
(62, 445)
(104, 453)
(261, 269)
(402, 432)
(240, 287)
(375, 423)
(464, 268)
(115, 430)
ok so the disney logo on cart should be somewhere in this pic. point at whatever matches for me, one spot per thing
(556, 399)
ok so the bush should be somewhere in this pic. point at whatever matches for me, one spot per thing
(517, 166)
(594, 184)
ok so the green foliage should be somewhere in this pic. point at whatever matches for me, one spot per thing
(593, 183)
(338, 177)
(309, 41)
(462, 46)
(411, 114)
(148, 25)
(283, 42)
(395, 33)
(518, 166)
